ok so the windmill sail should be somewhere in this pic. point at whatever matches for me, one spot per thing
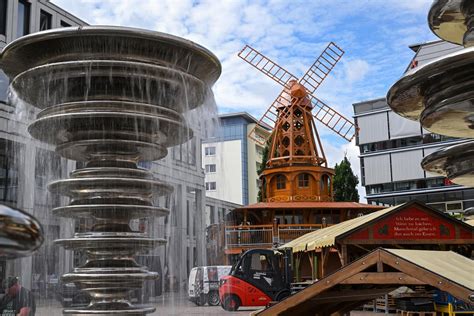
(266, 65)
(333, 119)
(320, 69)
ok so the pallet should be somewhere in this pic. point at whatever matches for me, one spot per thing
(409, 313)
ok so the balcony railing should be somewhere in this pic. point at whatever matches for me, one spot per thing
(264, 236)
(288, 232)
(248, 236)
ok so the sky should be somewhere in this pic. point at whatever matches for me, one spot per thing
(375, 35)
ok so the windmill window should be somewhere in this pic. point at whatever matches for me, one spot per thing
(303, 180)
(299, 140)
(280, 182)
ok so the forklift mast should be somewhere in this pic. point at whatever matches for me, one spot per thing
(287, 266)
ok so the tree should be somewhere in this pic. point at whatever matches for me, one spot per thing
(345, 183)
(266, 149)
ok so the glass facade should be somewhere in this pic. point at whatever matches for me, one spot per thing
(45, 20)
(23, 23)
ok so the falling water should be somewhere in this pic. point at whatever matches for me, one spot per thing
(114, 100)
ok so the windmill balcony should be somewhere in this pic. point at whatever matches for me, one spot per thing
(264, 236)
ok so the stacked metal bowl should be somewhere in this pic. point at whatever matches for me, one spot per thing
(110, 98)
(440, 94)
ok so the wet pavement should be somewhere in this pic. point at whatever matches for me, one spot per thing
(173, 304)
(170, 304)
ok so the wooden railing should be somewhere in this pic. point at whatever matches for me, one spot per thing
(288, 232)
(265, 236)
(248, 236)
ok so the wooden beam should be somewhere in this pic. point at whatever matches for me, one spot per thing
(382, 243)
(379, 266)
(363, 248)
(315, 289)
(382, 278)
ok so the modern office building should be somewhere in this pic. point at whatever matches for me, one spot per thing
(392, 147)
(217, 212)
(27, 166)
(232, 152)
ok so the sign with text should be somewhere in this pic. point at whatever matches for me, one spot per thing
(413, 224)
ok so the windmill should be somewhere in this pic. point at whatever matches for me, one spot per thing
(291, 114)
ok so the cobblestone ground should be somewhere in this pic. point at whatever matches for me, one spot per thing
(173, 304)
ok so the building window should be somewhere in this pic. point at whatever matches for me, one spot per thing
(210, 186)
(210, 168)
(303, 180)
(210, 151)
(3, 17)
(280, 182)
(64, 24)
(23, 25)
(45, 20)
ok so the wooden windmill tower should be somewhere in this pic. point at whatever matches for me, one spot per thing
(297, 169)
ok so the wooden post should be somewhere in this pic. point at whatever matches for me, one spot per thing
(275, 235)
(314, 272)
(297, 267)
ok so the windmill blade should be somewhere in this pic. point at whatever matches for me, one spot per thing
(266, 65)
(333, 119)
(321, 67)
(269, 118)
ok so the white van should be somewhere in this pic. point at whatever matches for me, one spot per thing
(203, 284)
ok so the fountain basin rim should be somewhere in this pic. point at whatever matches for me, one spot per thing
(97, 243)
(452, 31)
(144, 151)
(65, 186)
(109, 275)
(131, 211)
(136, 310)
(109, 31)
(455, 162)
(411, 82)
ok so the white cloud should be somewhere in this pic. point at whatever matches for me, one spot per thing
(356, 70)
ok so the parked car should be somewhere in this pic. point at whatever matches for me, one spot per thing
(203, 284)
(69, 295)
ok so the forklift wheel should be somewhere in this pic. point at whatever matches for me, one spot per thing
(231, 303)
(201, 300)
(282, 295)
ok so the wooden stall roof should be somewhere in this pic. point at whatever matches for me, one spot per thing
(328, 236)
(448, 264)
(311, 205)
(378, 273)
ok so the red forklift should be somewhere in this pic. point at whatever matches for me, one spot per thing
(259, 277)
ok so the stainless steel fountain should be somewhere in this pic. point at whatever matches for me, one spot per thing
(20, 233)
(110, 97)
(440, 94)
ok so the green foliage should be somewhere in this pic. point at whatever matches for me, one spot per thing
(345, 183)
